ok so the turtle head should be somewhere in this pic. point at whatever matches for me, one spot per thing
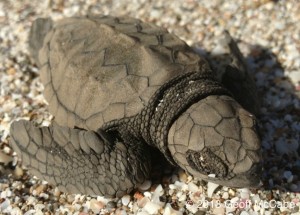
(216, 140)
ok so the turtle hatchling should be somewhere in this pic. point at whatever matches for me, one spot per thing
(118, 88)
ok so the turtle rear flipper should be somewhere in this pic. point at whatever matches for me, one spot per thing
(238, 79)
(38, 32)
(80, 161)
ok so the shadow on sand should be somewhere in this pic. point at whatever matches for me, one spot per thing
(278, 125)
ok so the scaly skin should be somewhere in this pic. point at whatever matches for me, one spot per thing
(79, 161)
(220, 145)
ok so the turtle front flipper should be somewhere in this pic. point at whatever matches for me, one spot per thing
(237, 78)
(80, 161)
(38, 32)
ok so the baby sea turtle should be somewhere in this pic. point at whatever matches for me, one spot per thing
(119, 87)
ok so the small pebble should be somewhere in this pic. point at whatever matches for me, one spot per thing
(290, 179)
(179, 184)
(71, 198)
(145, 186)
(29, 212)
(158, 190)
(218, 50)
(287, 174)
(170, 211)
(142, 202)
(182, 198)
(4, 158)
(147, 194)
(234, 200)
(245, 193)
(220, 210)
(125, 200)
(120, 212)
(39, 206)
(231, 192)
(256, 208)
(142, 213)
(152, 208)
(138, 195)
(56, 192)
(193, 187)
(172, 187)
(200, 212)
(111, 204)
(96, 206)
(5, 204)
(183, 176)
(294, 188)
(211, 187)
(225, 195)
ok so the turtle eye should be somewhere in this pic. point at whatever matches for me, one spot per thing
(207, 163)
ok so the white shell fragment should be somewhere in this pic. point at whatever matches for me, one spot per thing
(211, 187)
